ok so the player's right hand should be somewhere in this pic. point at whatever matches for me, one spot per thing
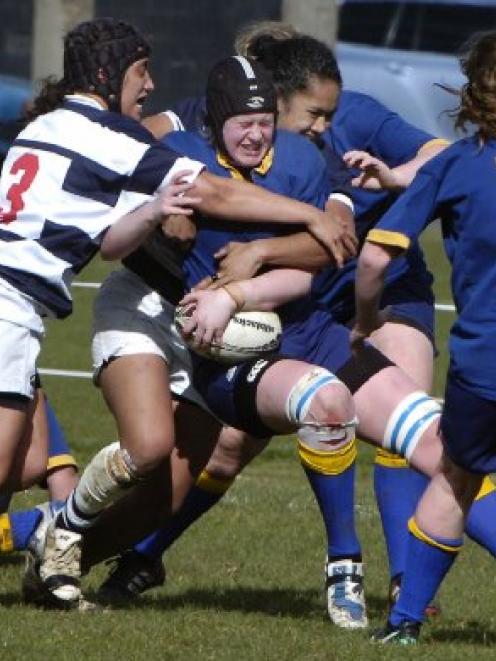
(331, 236)
(172, 198)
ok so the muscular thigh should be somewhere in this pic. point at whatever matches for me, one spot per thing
(409, 348)
(136, 389)
(376, 400)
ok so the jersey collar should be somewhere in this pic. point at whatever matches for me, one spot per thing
(261, 169)
(84, 100)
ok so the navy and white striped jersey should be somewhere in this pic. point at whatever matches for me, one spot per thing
(68, 176)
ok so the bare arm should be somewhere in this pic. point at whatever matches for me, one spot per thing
(405, 173)
(376, 175)
(238, 260)
(241, 260)
(241, 201)
(301, 250)
(214, 308)
(129, 231)
(369, 284)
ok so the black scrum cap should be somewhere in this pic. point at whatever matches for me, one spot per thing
(97, 54)
(237, 86)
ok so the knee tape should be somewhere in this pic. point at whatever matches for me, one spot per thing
(408, 422)
(303, 392)
(314, 434)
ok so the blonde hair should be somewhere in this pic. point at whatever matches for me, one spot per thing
(253, 31)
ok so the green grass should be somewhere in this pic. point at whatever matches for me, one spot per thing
(246, 582)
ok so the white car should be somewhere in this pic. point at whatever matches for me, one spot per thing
(400, 52)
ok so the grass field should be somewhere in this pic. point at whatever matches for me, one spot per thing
(245, 583)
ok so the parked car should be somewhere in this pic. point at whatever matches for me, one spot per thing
(401, 51)
(14, 95)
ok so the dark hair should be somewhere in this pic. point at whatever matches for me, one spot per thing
(478, 95)
(250, 32)
(50, 97)
(294, 62)
(96, 56)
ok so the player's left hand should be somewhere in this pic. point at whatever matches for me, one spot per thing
(358, 336)
(212, 310)
(341, 214)
(181, 230)
(237, 261)
(173, 199)
(375, 175)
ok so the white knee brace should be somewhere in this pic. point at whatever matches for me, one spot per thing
(408, 422)
(322, 436)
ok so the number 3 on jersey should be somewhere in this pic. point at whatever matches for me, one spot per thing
(28, 164)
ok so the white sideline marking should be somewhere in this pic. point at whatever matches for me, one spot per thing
(69, 373)
(87, 285)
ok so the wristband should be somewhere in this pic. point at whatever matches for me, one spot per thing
(236, 294)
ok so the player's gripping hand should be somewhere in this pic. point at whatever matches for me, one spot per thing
(375, 174)
(332, 236)
(211, 312)
(339, 213)
(181, 230)
(172, 198)
(129, 231)
(237, 261)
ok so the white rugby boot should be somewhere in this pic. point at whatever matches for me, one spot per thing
(345, 595)
(57, 552)
(60, 566)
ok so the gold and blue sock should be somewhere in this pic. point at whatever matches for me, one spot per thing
(16, 529)
(203, 496)
(332, 478)
(397, 491)
(428, 561)
(481, 521)
(59, 453)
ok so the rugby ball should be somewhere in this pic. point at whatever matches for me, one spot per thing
(247, 335)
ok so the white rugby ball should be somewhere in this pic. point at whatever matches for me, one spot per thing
(247, 335)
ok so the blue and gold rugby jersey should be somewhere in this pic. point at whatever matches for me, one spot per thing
(458, 186)
(293, 167)
(361, 122)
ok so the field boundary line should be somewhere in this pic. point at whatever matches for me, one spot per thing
(77, 374)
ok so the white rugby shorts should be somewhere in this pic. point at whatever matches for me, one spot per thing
(20, 349)
(21, 332)
(130, 318)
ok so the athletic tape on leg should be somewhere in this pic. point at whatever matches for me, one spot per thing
(103, 481)
(304, 390)
(408, 422)
(321, 436)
